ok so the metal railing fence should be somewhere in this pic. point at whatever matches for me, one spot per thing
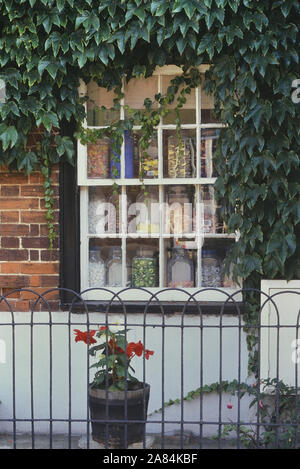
(198, 374)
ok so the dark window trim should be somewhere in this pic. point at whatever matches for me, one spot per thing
(69, 223)
(69, 232)
(210, 308)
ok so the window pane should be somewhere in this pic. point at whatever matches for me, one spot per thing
(98, 159)
(207, 108)
(187, 113)
(210, 218)
(179, 210)
(104, 211)
(103, 162)
(179, 164)
(214, 252)
(140, 214)
(105, 263)
(145, 161)
(142, 263)
(138, 89)
(209, 139)
(180, 264)
(100, 97)
(143, 210)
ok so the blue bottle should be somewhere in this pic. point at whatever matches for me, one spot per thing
(129, 146)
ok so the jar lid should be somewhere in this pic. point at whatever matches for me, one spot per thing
(145, 252)
(209, 252)
(115, 250)
(179, 250)
(181, 189)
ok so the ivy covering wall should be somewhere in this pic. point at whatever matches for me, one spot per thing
(46, 46)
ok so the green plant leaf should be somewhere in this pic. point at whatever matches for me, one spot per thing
(9, 137)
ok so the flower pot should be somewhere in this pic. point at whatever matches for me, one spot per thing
(111, 405)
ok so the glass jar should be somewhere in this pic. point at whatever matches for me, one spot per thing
(181, 164)
(210, 220)
(149, 162)
(147, 220)
(113, 213)
(209, 139)
(145, 269)
(227, 280)
(114, 267)
(115, 159)
(180, 271)
(98, 159)
(96, 268)
(97, 211)
(211, 268)
(181, 213)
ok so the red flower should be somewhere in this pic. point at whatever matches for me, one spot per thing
(229, 405)
(148, 353)
(114, 347)
(85, 336)
(130, 349)
(103, 328)
(139, 348)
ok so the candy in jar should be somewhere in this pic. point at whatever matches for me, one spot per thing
(98, 159)
(149, 162)
(180, 271)
(97, 211)
(147, 220)
(114, 267)
(180, 210)
(211, 268)
(210, 218)
(113, 213)
(144, 269)
(96, 268)
(181, 162)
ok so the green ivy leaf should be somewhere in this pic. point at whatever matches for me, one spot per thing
(27, 162)
(65, 147)
(252, 263)
(48, 119)
(9, 137)
(140, 13)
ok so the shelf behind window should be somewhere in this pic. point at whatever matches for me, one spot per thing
(148, 182)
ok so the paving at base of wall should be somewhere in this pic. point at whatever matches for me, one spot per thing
(190, 441)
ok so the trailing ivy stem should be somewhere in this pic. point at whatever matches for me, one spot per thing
(49, 201)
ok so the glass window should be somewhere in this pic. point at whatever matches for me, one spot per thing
(164, 232)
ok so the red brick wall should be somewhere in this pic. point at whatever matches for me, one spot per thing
(25, 258)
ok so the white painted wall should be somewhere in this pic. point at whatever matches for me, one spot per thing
(284, 310)
(153, 372)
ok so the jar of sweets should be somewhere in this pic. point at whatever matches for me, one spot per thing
(96, 268)
(211, 268)
(114, 267)
(180, 271)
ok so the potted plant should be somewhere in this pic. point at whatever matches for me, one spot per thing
(115, 394)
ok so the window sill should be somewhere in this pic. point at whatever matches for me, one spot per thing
(138, 307)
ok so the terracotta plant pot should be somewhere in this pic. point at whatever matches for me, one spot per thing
(111, 406)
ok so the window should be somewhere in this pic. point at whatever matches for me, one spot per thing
(169, 234)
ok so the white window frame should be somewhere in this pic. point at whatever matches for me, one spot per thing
(84, 182)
